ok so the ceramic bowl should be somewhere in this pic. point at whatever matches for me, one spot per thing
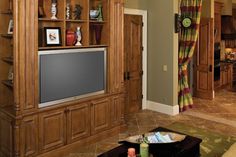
(93, 14)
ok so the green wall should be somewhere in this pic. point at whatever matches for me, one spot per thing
(162, 49)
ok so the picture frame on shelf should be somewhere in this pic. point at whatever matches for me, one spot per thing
(10, 27)
(52, 36)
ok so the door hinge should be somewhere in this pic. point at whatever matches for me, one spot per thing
(142, 24)
(142, 48)
(142, 96)
(141, 73)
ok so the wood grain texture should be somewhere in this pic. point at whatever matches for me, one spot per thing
(204, 61)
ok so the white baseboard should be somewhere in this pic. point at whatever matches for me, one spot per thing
(162, 108)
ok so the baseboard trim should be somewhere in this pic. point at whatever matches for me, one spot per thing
(162, 108)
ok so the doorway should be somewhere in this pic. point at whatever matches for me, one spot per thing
(135, 59)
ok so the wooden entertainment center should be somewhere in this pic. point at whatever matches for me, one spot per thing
(27, 130)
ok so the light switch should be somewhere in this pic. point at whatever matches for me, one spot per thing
(164, 67)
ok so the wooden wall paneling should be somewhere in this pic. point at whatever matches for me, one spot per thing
(30, 54)
(29, 136)
(100, 116)
(78, 122)
(6, 136)
(116, 49)
(52, 130)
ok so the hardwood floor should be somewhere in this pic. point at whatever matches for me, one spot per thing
(218, 115)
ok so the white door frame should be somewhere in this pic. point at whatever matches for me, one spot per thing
(143, 13)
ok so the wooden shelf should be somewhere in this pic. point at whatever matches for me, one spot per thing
(76, 21)
(50, 20)
(7, 35)
(71, 47)
(8, 59)
(94, 21)
(8, 83)
(8, 12)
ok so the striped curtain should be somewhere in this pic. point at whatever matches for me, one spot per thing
(187, 42)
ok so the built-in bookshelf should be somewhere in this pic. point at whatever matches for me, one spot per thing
(94, 30)
(6, 54)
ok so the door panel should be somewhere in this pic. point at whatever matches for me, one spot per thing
(30, 136)
(52, 130)
(204, 61)
(78, 122)
(100, 115)
(133, 63)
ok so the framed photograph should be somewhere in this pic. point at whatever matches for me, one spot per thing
(10, 27)
(52, 36)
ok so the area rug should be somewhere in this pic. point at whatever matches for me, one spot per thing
(213, 144)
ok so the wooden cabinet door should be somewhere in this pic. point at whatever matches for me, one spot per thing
(230, 75)
(116, 110)
(204, 61)
(100, 115)
(29, 136)
(78, 122)
(52, 130)
(6, 136)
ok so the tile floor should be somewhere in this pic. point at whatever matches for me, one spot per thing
(218, 115)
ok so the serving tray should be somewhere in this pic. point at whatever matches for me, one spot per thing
(155, 138)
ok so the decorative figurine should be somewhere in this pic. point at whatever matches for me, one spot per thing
(67, 11)
(79, 37)
(100, 18)
(54, 9)
(77, 12)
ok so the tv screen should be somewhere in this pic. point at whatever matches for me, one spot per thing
(71, 74)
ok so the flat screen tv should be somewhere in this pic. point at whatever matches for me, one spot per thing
(70, 74)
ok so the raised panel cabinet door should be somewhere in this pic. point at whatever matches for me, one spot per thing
(78, 122)
(116, 110)
(100, 115)
(52, 131)
(6, 136)
(29, 136)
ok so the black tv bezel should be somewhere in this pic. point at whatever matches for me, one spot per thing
(66, 51)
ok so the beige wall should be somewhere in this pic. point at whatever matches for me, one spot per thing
(162, 50)
(136, 4)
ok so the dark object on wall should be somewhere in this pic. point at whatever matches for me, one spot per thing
(177, 23)
(77, 12)
(228, 32)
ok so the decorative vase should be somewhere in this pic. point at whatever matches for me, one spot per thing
(70, 38)
(100, 18)
(54, 11)
(98, 33)
(79, 37)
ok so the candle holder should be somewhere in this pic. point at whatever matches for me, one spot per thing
(54, 10)
(79, 37)
(68, 11)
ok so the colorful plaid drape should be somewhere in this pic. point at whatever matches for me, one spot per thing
(187, 42)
